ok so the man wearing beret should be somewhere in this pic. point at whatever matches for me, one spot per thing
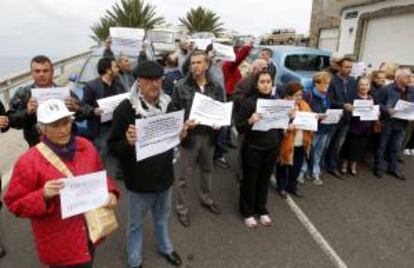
(198, 147)
(148, 181)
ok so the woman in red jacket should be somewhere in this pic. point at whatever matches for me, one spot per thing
(36, 183)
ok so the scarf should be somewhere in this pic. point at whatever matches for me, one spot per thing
(324, 97)
(66, 153)
(146, 109)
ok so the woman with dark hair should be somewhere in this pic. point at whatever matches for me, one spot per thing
(258, 153)
(4, 125)
(295, 145)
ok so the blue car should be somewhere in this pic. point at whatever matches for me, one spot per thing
(294, 64)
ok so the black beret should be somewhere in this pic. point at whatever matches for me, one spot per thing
(148, 69)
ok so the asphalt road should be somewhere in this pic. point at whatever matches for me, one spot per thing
(368, 222)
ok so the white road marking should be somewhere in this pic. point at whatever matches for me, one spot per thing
(316, 235)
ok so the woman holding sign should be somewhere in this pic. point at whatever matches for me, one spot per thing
(359, 133)
(34, 190)
(295, 145)
(258, 152)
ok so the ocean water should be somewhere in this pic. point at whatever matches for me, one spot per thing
(13, 64)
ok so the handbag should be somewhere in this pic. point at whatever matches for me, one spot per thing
(101, 221)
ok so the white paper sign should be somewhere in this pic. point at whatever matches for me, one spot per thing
(223, 52)
(209, 112)
(333, 116)
(359, 69)
(404, 110)
(306, 121)
(201, 43)
(372, 115)
(362, 106)
(158, 134)
(83, 193)
(44, 94)
(109, 104)
(126, 40)
(274, 114)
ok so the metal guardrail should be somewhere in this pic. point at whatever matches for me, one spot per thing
(11, 83)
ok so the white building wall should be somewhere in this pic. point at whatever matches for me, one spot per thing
(348, 27)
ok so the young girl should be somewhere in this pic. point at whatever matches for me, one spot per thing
(294, 146)
(258, 152)
(358, 135)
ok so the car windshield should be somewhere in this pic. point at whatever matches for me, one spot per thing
(162, 37)
(307, 62)
(90, 71)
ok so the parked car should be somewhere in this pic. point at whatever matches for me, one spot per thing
(292, 64)
(280, 37)
(89, 72)
(163, 41)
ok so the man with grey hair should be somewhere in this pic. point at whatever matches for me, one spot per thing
(394, 128)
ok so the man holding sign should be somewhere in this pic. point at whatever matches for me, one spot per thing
(23, 105)
(198, 146)
(37, 182)
(148, 174)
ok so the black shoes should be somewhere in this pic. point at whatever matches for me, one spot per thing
(296, 194)
(378, 174)
(2, 252)
(184, 219)
(398, 175)
(283, 194)
(213, 208)
(173, 258)
(335, 174)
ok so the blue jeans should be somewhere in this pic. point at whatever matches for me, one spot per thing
(391, 136)
(138, 207)
(313, 165)
(335, 145)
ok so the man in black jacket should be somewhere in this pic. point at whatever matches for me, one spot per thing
(148, 181)
(105, 85)
(4, 125)
(198, 147)
(341, 93)
(22, 113)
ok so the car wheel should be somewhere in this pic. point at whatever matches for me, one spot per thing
(290, 41)
(270, 42)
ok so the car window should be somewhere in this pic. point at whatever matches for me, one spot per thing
(306, 62)
(254, 54)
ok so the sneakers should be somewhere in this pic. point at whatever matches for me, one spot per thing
(407, 152)
(301, 179)
(250, 222)
(222, 162)
(317, 180)
(265, 220)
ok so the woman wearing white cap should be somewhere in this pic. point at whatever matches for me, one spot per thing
(36, 183)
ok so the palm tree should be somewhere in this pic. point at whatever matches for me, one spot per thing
(202, 20)
(127, 13)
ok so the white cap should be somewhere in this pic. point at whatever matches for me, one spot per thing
(51, 111)
(336, 57)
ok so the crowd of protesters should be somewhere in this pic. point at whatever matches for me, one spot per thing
(292, 156)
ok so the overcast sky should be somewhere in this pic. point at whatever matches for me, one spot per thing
(61, 27)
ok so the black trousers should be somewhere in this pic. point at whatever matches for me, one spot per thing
(287, 175)
(258, 166)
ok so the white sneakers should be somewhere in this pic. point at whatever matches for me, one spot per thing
(409, 152)
(317, 180)
(251, 222)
